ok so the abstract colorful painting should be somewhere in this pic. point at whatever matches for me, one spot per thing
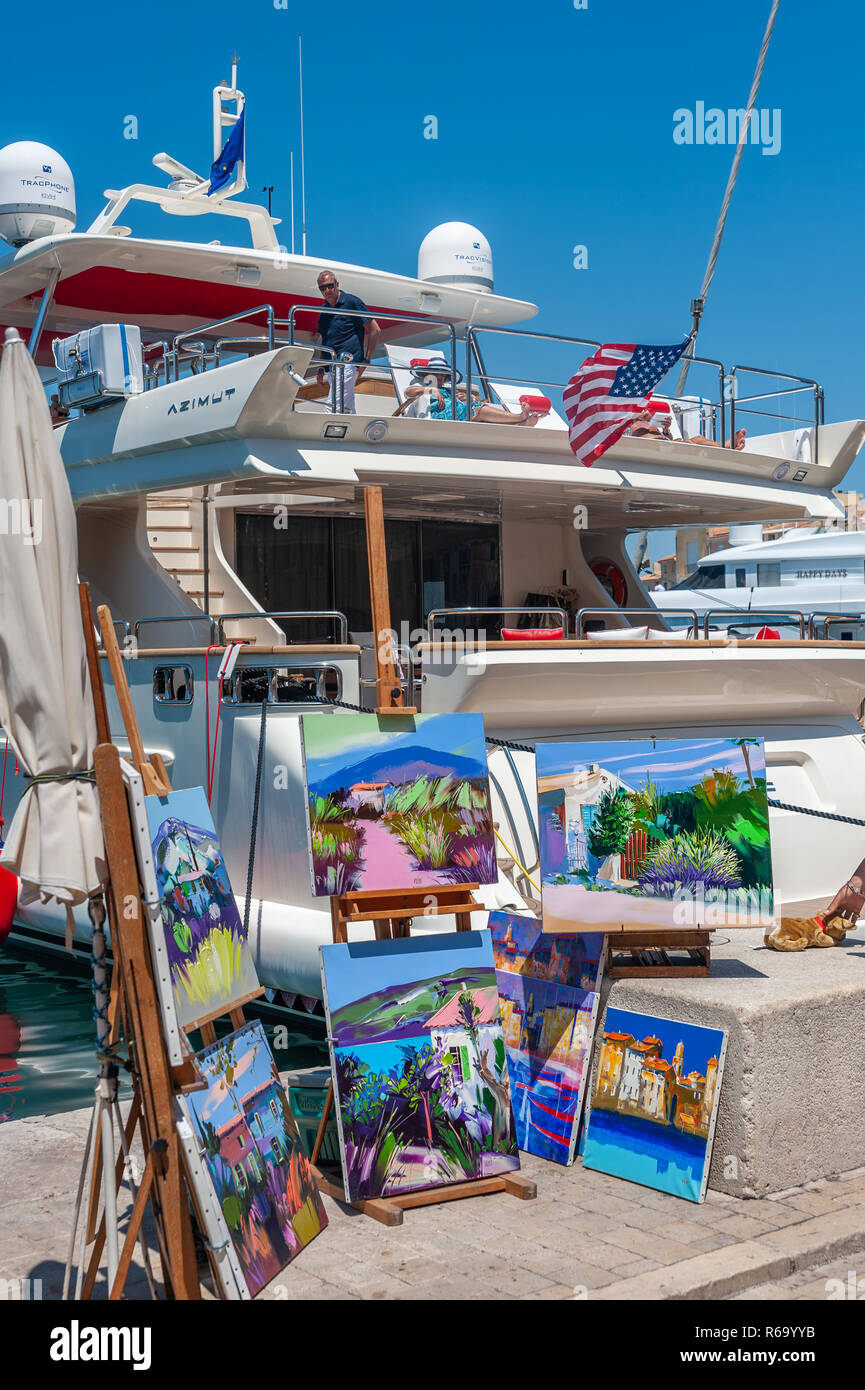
(654, 833)
(397, 803)
(548, 997)
(254, 1156)
(211, 965)
(655, 1098)
(419, 1065)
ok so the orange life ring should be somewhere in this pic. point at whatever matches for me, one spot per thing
(610, 576)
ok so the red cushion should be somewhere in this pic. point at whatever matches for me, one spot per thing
(542, 405)
(768, 634)
(532, 634)
(8, 902)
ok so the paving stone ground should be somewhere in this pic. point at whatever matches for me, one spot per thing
(587, 1236)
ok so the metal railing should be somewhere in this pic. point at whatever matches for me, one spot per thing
(173, 618)
(331, 614)
(827, 620)
(445, 612)
(739, 618)
(645, 613)
(806, 385)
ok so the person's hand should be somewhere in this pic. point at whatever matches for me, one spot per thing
(849, 901)
(319, 376)
(440, 400)
(359, 376)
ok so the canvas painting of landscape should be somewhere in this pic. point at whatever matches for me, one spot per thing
(419, 1064)
(253, 1155)
(655, 1098)
(397, 803)
(548, 998)
(654, 833)
(209, 959)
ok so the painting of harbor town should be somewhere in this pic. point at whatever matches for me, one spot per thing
(253, 1155)
(401, 804)
(656, 1091)
(654, 833)
(548, 997)
(209, 958)
(419, 1064)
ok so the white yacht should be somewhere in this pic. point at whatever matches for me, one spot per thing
(220, 501)
(809, 578)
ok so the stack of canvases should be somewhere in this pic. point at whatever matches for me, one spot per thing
(256, 1198)
(635, 835)
(419, 1064)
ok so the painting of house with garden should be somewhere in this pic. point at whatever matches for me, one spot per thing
(402, 803)
(419, 1063)
(209, 958)
(654, 833)
(253, 1154)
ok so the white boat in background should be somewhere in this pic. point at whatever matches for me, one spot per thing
(808, 579)
(221, 501)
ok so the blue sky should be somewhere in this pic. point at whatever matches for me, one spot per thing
(346, 739)
(554, 130)
(700, 1043)
(671, 764)
(362, 967)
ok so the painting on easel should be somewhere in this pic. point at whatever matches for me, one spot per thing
(548, 991)
(253, 1155)
(209, 959)
(419, 1065)
(401, 803)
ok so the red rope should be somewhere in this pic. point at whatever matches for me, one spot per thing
(216, 646)
(3, 784)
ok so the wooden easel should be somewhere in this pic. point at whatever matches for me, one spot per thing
(648, 955)
(135, 1002)
(391, 911)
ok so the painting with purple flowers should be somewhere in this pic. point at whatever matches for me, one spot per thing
(209, 959)
(419, 1065)
(654, 833)
(253, 1155)
(397, 803)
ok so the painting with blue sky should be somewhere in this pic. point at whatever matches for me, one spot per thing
(401, 802)
(654, 833)
(654, 1102)
(208, 955)
(253, 1155)
(419, 1065)
(548, 997)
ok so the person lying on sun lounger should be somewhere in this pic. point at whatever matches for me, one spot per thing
(643, 426)
(435, 378)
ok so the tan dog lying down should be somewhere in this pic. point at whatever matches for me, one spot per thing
(797, 933)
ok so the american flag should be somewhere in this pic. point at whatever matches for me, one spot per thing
(610, 388)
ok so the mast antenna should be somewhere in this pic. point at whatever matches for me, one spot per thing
(291, 166)
(302, 161)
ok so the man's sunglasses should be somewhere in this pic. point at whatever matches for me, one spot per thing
(332, 286)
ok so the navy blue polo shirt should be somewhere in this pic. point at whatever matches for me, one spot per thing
(341, 332)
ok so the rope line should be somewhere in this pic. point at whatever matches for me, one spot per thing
(253, 834)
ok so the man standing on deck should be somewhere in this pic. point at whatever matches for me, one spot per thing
(352, 338)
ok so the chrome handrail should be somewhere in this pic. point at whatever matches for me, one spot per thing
(241, 315)
(441, 612)
(250, 614)
(825, 620)
(738, 615)
(174, 618)
(427, 322)
(645, 613)
(807, 382)
(117, 622)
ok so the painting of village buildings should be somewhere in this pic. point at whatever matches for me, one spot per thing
(209, 959)
(253, 1154)
(419, 1063)
(548, 994)
(402, 803)
(654, 833)
(655, 1098)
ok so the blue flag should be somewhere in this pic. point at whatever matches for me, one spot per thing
(222, 169)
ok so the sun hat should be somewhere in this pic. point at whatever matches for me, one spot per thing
(431, 366)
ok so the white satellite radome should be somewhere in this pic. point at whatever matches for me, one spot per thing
(37, 193)
(457, 254)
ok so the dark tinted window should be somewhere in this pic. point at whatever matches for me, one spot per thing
(708, 577)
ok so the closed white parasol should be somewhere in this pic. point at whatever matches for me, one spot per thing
(54, 843)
